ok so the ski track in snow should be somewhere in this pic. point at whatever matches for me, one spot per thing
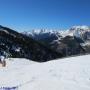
(62, 74)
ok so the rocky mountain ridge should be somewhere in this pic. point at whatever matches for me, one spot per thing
(44, 45)
(17, 45)
(73, 41)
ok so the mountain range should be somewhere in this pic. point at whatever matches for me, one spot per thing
(17, 45)
(73, 41)
(44, 45)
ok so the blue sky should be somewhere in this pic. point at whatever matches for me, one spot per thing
(51, 14)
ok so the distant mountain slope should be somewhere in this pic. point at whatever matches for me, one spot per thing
(17, 45)
(73, 41)
(44, 45)
(62, 74)
(82, 32)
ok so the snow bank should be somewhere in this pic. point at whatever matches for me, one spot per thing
(62, 74)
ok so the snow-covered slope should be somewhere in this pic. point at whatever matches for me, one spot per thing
(62, 74)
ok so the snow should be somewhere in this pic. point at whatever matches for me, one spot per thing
(84, 27)
(1, 29)
(87, 43)
(67, 33)
(77, 31)
(43, 33)
(61, 74)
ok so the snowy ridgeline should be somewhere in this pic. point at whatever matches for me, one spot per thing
(77, 31)
(62, 74)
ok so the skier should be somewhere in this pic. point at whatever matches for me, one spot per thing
(2, 59)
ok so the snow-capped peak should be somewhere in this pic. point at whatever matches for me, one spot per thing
(40, 34)
(83, 27)
(82, 32)
(79, 31)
